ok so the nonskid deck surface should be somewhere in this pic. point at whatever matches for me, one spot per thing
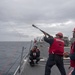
(40, 68)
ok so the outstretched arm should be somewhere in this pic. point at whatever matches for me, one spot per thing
(49, 40)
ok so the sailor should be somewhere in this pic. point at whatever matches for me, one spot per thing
(72, 62)
(34, 55)
(56, 52)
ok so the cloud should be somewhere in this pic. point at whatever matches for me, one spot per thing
(17, 16)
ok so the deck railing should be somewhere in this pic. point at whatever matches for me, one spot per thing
(19, 68)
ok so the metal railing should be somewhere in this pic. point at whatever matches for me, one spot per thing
(18, 70)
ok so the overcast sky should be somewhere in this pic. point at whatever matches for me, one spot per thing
(52, 16)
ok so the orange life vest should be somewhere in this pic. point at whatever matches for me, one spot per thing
(57, 47)
(72, 62)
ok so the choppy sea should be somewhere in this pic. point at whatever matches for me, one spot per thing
(10, 55)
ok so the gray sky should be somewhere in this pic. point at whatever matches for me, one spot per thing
(17, 17)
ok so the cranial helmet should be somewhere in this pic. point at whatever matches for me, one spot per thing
(59, 34)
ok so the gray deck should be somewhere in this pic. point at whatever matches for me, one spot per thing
(40, 68)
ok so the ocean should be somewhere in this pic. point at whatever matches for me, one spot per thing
(10, 55)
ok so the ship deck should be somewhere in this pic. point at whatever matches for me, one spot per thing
(40, 68)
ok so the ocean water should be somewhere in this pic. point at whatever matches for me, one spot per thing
(10, 55)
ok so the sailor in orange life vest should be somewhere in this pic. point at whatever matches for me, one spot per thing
(34, 54)
(56, 51)
(72, 62)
